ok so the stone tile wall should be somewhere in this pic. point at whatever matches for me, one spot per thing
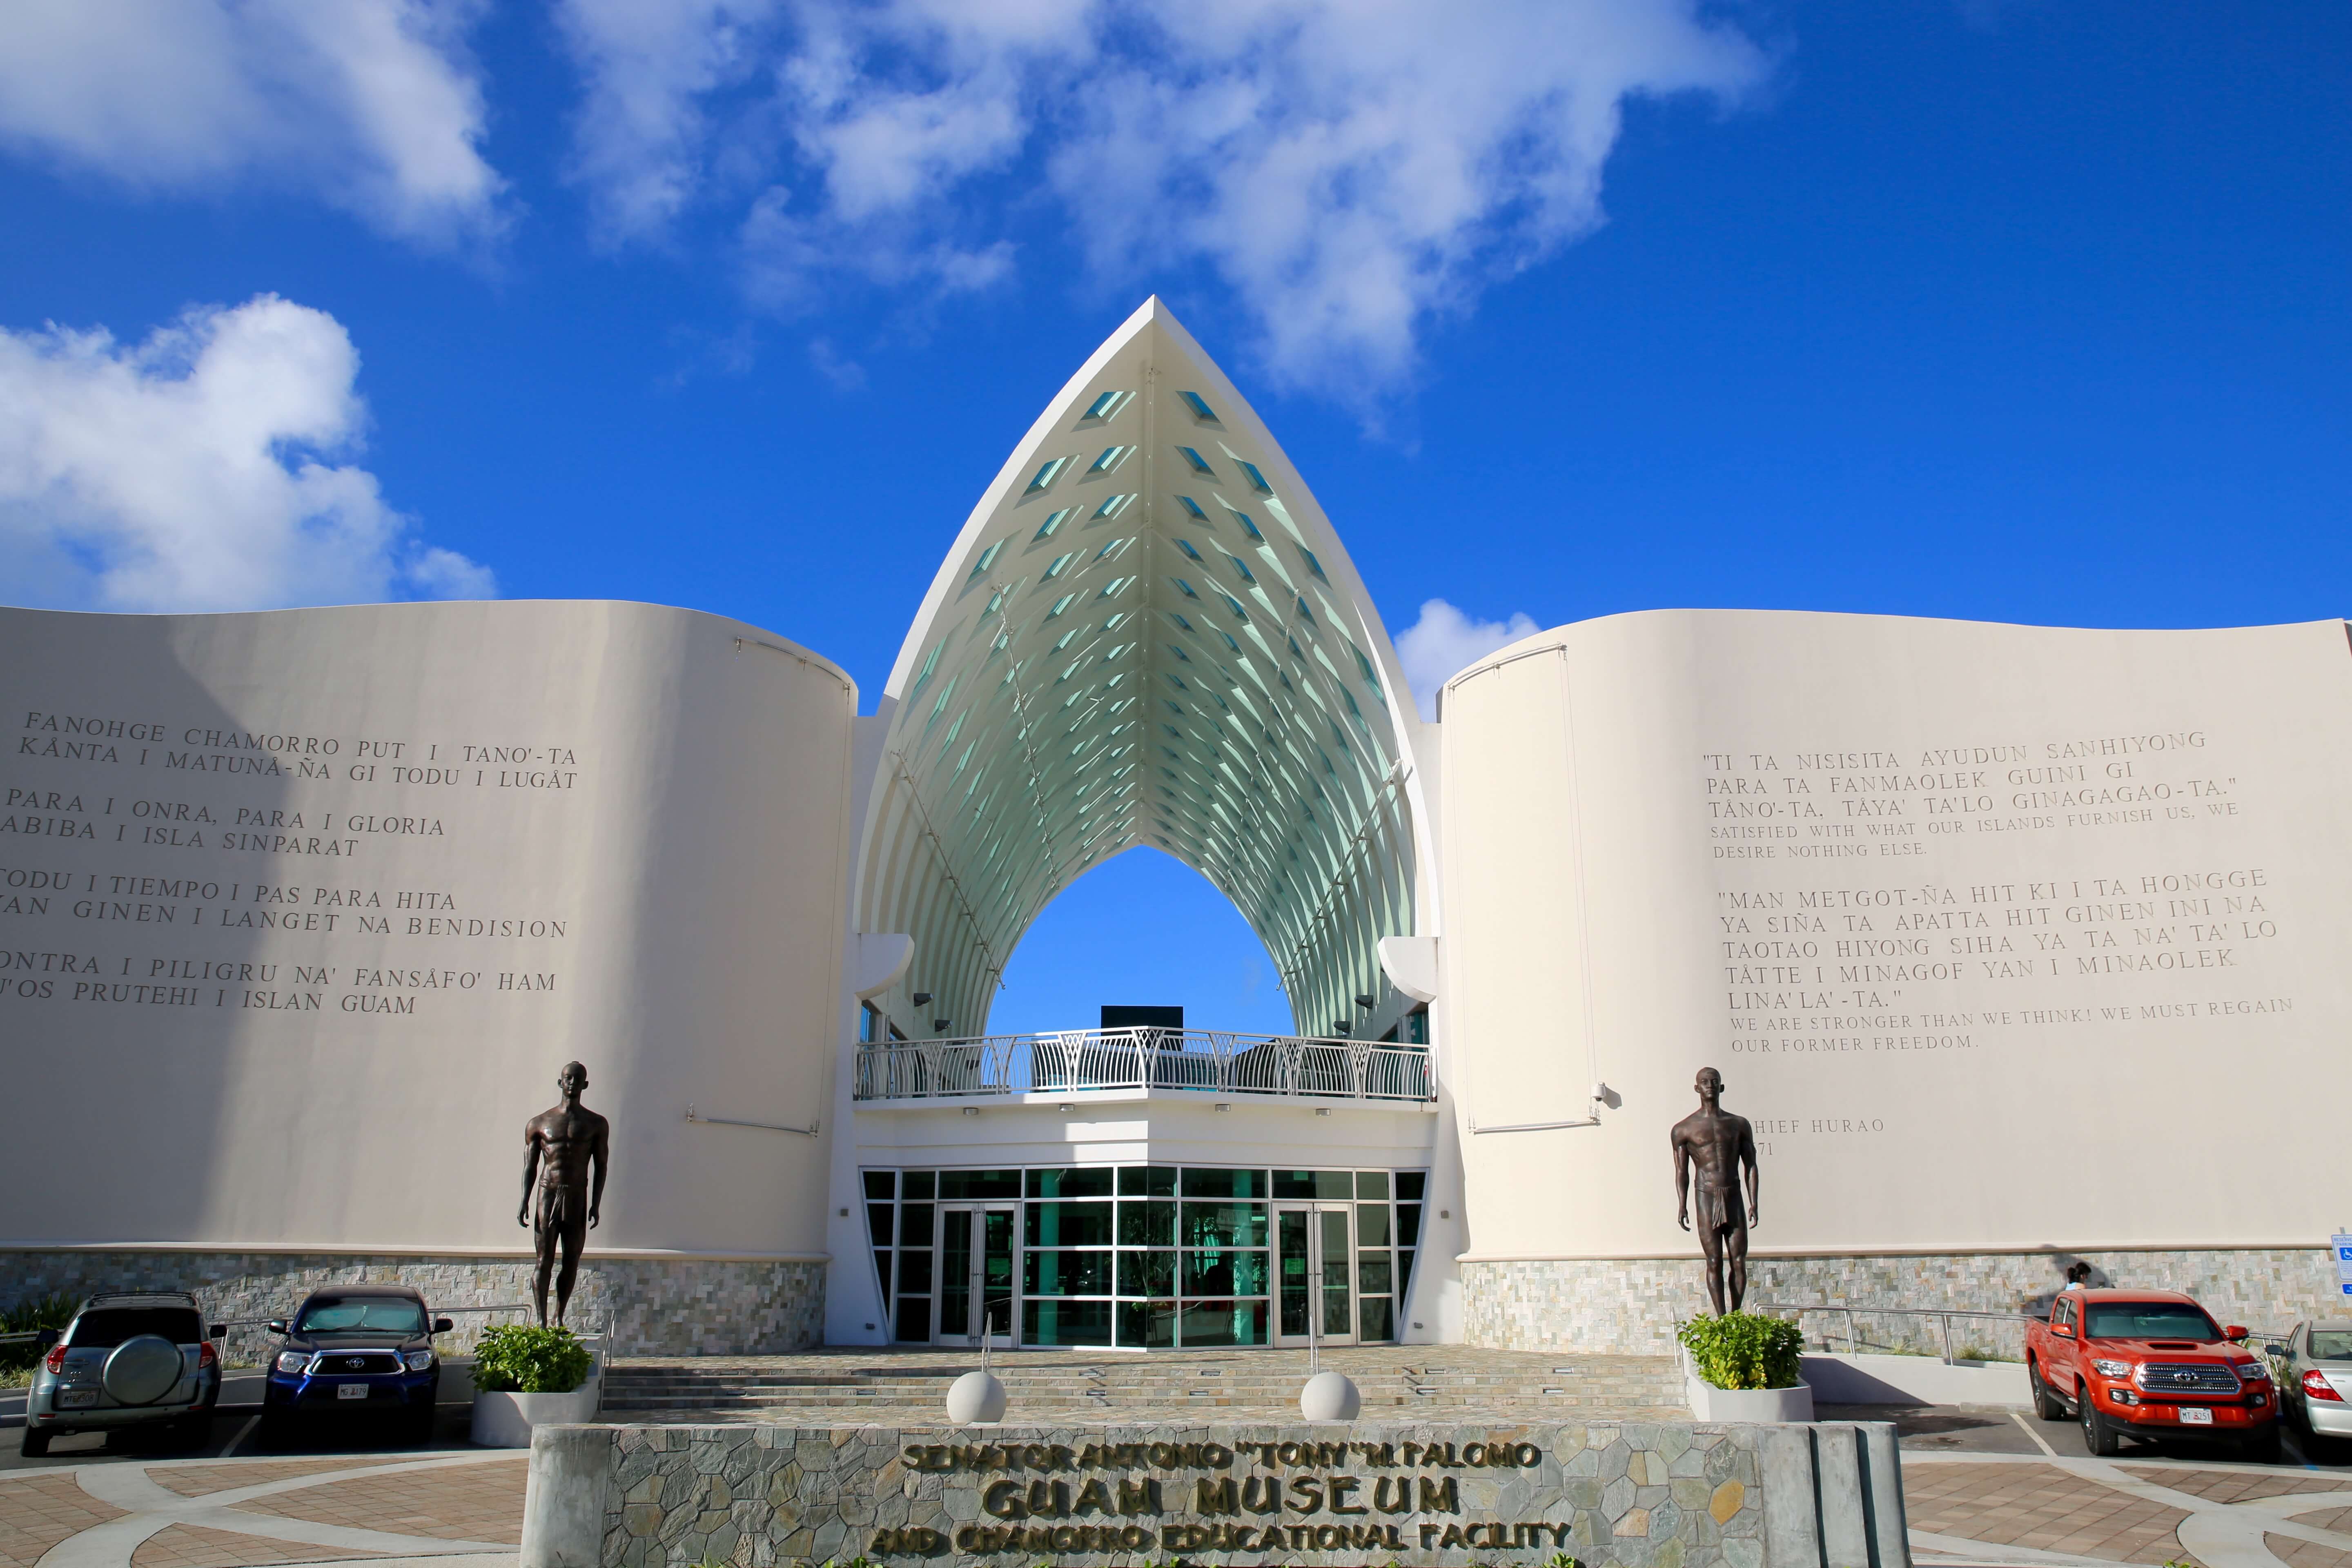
(655, 1306)
(1643, 1495)
(1629, 1306)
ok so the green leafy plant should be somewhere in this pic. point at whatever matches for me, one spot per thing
(1744, 1349)
(523, 1358)
(29, 1316)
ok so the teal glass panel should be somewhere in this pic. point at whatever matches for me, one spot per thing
(918, 1183)
(878, 1222)
(1224, 1224)
(1409, 1185)
(1102, 407)
(1215, 1182)
(1083, 1181)
(1056, 1273)
(1314, 1184)
(915, 1271)
(1291, 1244)
(1372, 1183)
(1148, 1325)
(881, 1184)
(1065, 1323)
(1373, 1272)
(1201, 410)
(980, 1184)
(1379, 1319)
(1146, 1274)
(1408, 1225)
(1069, 1224)
(915, 1224)
(1371, 1225)
(882, 1271)
(1147, 1223)
(1191, 508)
(1223, 1323)
(914, 1319)
(1199, 464)
(1224, 1271)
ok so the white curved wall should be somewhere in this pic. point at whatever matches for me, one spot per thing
(2053, 1038)
(230, 1017)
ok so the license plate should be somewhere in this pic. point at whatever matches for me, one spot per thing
(360, 1390)
(2190, 1414)
(75, 1398)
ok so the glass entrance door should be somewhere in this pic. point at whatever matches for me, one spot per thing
(976, 1273)
(1315, 1264)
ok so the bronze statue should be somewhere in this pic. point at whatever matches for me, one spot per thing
(560, 1146)
(1720, 1145)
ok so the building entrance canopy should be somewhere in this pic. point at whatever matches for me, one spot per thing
(1145, 633)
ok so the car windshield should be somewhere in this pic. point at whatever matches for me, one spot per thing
(108, 1327)
(2146, 1321)
(369, 1314)
(2331, 1344)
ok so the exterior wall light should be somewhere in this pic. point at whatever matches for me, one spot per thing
(940, 1026)
(923, 998)
(972, 1111)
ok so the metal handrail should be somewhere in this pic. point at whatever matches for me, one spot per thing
(1201, 1061)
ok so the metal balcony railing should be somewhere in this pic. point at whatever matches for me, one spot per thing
(1204, 1061)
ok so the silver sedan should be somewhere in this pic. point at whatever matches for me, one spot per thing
(2314, 1368)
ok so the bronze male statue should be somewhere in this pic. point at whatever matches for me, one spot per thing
(561, 1145)
(1721, 1145)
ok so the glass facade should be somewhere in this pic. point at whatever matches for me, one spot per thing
(1146, 1256)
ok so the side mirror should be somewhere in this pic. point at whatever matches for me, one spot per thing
(48, 1337)
(442, 1325)
(276, 1326)
(2061, 1330)
(2279, 1351)
(217, 1331)
(2236, 1332)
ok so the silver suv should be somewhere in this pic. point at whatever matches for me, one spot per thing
(130, 1360)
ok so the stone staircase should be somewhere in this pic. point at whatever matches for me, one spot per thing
(888, 1386)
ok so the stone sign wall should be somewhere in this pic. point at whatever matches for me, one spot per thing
(1645, 1494)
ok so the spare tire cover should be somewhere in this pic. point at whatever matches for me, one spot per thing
(141, 1370)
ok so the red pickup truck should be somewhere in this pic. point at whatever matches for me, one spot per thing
(2149, 1363)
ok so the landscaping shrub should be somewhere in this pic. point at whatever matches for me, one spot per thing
(523, 1358)
(28, 1316)
(1744, 1349)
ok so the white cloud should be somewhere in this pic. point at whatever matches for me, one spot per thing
(1350, 169)
(194, 471)
(1444, 642)
(371, 105)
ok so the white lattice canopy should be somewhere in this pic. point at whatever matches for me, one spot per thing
(1147, 634)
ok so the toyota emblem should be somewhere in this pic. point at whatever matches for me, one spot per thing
(2184, 1377)
(355, 1362)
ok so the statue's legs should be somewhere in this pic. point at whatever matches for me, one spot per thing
(1710, 1242)
(1735, 1247)
(575, 1236)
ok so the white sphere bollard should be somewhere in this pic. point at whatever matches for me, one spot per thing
(1329, 1397)
(975, 1397)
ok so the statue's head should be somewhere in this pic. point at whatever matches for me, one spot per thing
(1709, 1084)
(571, 1079)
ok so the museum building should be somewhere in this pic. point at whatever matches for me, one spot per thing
(327, 910)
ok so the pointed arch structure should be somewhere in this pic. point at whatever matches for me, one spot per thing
(1147, 633)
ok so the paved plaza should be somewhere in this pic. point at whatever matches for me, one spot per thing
(1980, 1487)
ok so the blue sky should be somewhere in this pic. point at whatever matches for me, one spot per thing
(2016, 312)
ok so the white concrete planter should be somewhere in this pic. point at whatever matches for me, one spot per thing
(505, 1420)
(1709, 1403)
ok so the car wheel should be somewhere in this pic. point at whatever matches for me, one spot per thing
(36, 1444)
(2260, 1448)
(2045, 1402)
(2098, 1436)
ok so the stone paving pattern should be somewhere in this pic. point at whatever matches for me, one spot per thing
(195, 1546)
(2307, 1553)
(2047, 1509)
(657, 1307)
(481, 1502)
(1641, 1495)
(37, 1512)
(201, 1480)
(1628, 1306)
